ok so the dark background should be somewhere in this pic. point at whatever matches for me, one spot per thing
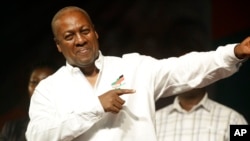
(160, 28)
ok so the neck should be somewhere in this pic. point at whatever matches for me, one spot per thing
(91, 74)
(188, 104)
(90, 71)
(188, 101)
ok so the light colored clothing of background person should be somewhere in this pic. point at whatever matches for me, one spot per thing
(206, 121)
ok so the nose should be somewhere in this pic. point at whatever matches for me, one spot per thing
(80, 40)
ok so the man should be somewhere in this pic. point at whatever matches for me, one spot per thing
(95, 97)
(195, 117)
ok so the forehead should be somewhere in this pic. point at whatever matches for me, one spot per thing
(41, 72)
(72, 17)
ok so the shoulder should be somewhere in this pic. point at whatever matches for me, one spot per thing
(137, 58)
(129, 58)
(54, 78)
(228, 112)
(126, 55)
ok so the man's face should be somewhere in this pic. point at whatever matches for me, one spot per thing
(76, 38)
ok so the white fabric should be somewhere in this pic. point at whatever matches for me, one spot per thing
(206, 121)
(65, 107)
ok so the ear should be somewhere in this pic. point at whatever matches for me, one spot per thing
(57, 45)
(96, 34)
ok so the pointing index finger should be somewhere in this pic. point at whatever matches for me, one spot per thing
(125, 91)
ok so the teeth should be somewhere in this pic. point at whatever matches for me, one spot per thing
(83, 50)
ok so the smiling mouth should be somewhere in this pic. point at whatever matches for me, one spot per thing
(82, 51)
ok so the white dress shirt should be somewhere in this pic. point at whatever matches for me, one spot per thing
(66, 107)
(206, 121)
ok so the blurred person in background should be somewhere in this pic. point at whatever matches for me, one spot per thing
(193, 116)
(14, 130)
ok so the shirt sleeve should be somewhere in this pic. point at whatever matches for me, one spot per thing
(47, 122)
(194, 69)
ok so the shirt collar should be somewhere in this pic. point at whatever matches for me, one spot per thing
(98, 63)
(204, 103)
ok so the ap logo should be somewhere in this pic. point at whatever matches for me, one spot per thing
(239, 132)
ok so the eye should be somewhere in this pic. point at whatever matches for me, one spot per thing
(34, 82)
(85, 31)
(68, 36)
